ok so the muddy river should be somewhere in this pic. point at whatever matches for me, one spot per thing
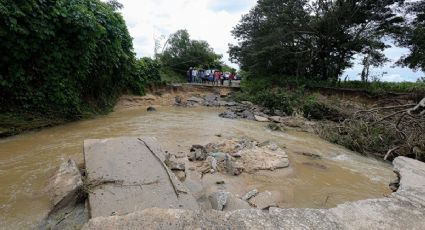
(27, 161)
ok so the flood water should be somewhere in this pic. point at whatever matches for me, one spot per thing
(27, 161)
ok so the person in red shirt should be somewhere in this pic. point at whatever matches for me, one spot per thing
(216, 77)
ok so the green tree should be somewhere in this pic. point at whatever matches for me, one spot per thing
(312, 39)
(63, 56)
(413, 37)
(182, 52)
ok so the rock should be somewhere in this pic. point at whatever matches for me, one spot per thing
(227, 103)
(195, 147)
(151, 109)
(219, 156)
(200, 155)
(191, 156)
(211, 98)
(195, 100)
(218, 199)
(173, 164)
(250, 194)
(213, 163)
(178, 100)
(234, 203)
(263, 200)
(247, 115)
(65, 185)
(261, 119)
(197, 152)
(228, 115)
(233, 167)
(276, 119)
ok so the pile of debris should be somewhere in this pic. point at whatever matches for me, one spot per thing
(209, 100)
(237, 156)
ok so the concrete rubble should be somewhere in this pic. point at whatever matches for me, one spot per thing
(236, 156)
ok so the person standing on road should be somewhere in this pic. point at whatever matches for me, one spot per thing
(231, 77)
(194, 73)
(222, 77)
(189, 75)
(216, 77)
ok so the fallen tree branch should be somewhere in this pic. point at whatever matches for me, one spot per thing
(391, 151)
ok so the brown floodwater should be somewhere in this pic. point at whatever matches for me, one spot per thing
(27, 161)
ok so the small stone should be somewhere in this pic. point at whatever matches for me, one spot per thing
(250, 194)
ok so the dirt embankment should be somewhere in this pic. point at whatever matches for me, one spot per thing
(169, 95)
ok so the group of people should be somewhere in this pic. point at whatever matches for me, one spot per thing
(215, 77)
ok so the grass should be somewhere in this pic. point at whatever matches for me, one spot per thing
(254, 83)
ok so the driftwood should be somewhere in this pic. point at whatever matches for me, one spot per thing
(387, 132)
(408, 122)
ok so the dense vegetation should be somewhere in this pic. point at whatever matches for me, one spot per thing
(312, 39)
(65, 58)
(181, 53)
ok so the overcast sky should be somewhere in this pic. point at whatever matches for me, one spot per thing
(212, 20)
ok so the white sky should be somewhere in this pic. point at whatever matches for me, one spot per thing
(212, 20)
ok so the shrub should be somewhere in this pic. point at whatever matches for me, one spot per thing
(63, 56)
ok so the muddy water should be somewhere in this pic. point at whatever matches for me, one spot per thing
(27, 161)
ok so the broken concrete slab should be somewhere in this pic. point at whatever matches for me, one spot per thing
(404, 209)
(127, 174)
